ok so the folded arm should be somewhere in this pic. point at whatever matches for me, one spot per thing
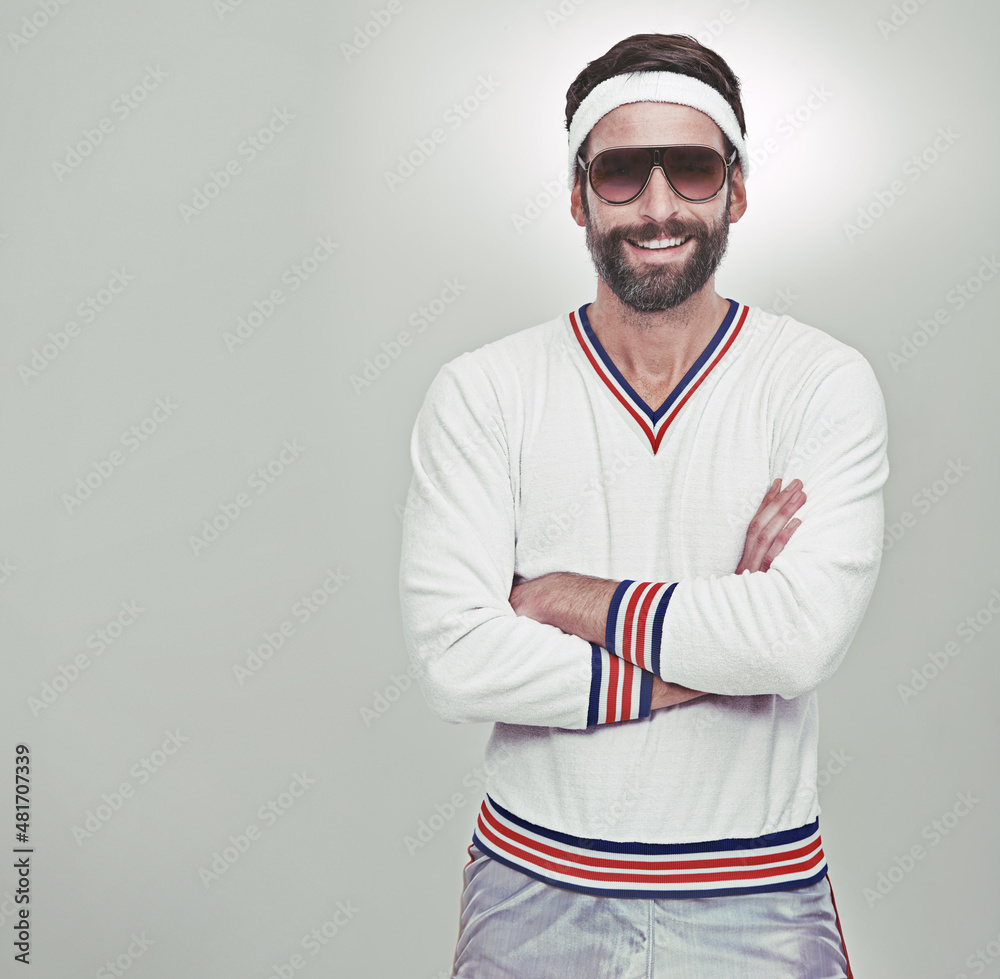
(783, 632)
(587, 607)
(477, 659)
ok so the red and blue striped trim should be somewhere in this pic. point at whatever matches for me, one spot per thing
(618, 691)
(635, 622)
(773, 862)
(654, 423)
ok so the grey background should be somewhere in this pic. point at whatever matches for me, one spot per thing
(891, 766)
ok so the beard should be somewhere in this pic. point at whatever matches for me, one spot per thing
(657, 288)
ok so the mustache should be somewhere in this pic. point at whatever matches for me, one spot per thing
(649, 232)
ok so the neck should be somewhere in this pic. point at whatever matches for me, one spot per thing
(660, 346)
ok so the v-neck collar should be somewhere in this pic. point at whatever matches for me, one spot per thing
(653, 423)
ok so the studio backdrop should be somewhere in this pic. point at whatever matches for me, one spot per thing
(238, 239)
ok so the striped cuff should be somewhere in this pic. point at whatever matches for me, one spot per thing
(635, 622)
(618, 691)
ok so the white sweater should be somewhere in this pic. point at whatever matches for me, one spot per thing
(532, 454)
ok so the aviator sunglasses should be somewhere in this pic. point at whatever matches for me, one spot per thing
(618, 175)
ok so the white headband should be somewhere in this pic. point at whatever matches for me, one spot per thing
(653, 86)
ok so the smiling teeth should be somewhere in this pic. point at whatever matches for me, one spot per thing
(661, 243)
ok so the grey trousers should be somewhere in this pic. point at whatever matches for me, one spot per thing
(516, 927)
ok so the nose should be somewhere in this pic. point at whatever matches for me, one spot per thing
(658, 202)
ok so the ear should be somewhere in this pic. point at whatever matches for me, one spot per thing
(575, 204)
(738, 200)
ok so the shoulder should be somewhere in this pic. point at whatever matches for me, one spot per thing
(797, 357)
(499, 369)
(814, 382)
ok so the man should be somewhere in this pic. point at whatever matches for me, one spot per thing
(577, 568)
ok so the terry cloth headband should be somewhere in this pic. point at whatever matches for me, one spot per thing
(653, 86)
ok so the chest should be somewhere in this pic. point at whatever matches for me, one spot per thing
(592, 497)
(654, 391)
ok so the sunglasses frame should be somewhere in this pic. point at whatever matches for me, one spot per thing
(657, 165)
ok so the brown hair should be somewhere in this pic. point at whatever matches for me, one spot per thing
(679, 53)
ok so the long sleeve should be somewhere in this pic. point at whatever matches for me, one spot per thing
(786, 630)
(476, 659)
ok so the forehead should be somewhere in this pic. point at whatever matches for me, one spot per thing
(652, 123)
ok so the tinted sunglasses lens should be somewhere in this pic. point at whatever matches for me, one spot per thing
(696, 172)
(618, 175)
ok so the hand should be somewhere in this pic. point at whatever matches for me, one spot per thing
(767, 535)
(524, 595)
(770, 527)
(667, 694)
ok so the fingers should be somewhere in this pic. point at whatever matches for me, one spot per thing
(775, 497)
(780, 510)
(770, 539)
(768, 531)
(775, 512)
(773, 492)
(779, 542)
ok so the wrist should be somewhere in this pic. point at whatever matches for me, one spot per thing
(666, 694)
(634, 625)
(578, 604)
